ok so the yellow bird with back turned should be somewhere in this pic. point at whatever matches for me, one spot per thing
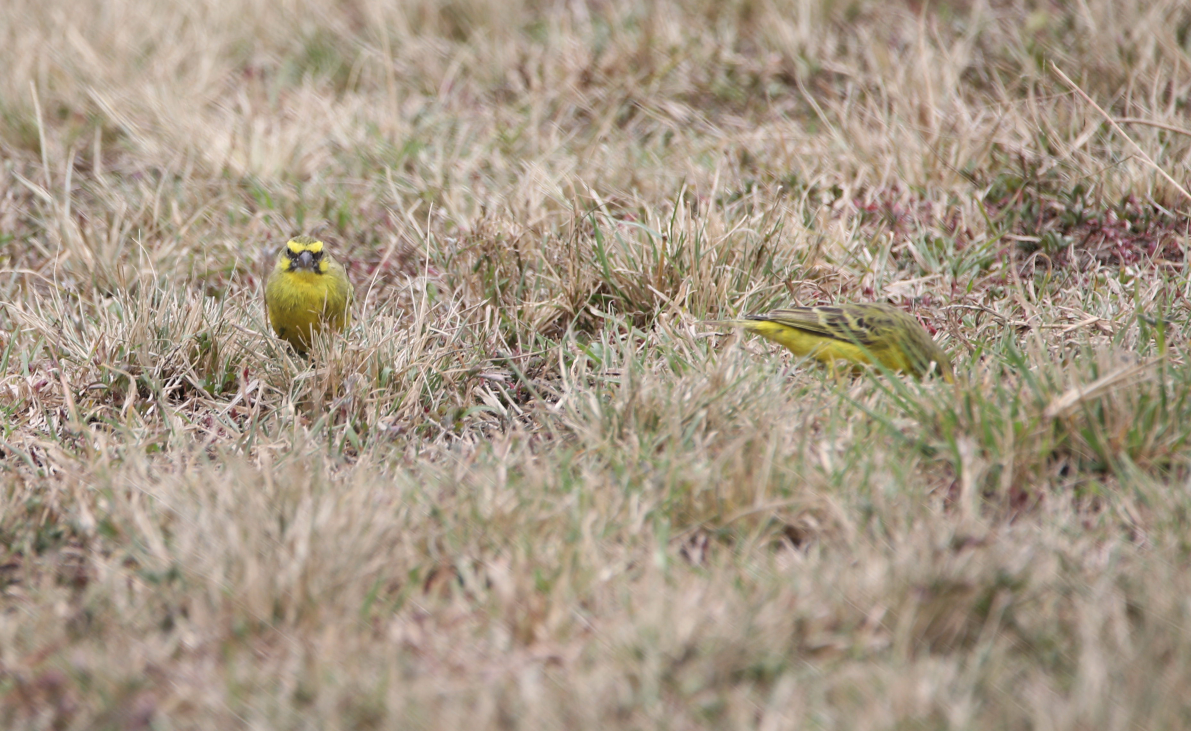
(858, 333)
(308, 292)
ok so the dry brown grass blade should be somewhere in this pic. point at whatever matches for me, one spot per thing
(1121, 377)
(1117, 127)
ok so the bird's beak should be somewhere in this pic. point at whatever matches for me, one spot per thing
(305, 260)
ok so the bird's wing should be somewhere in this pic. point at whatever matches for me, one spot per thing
(836, 323)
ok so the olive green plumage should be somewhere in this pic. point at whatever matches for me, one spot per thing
(858, 332)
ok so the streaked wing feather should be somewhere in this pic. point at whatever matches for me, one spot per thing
(829, 322)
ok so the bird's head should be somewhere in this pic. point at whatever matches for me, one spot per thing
(305, 254)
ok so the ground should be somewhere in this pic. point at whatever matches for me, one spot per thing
(533, 486)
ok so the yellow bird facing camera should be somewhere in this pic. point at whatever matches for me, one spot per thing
(857, 333)
(308, 292)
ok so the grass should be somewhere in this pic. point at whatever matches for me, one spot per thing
(531, 488)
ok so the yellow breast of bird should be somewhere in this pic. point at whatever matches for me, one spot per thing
(301, 302)
(803, 344)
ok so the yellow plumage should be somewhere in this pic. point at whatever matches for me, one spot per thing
(307, 292)
(858, 333)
